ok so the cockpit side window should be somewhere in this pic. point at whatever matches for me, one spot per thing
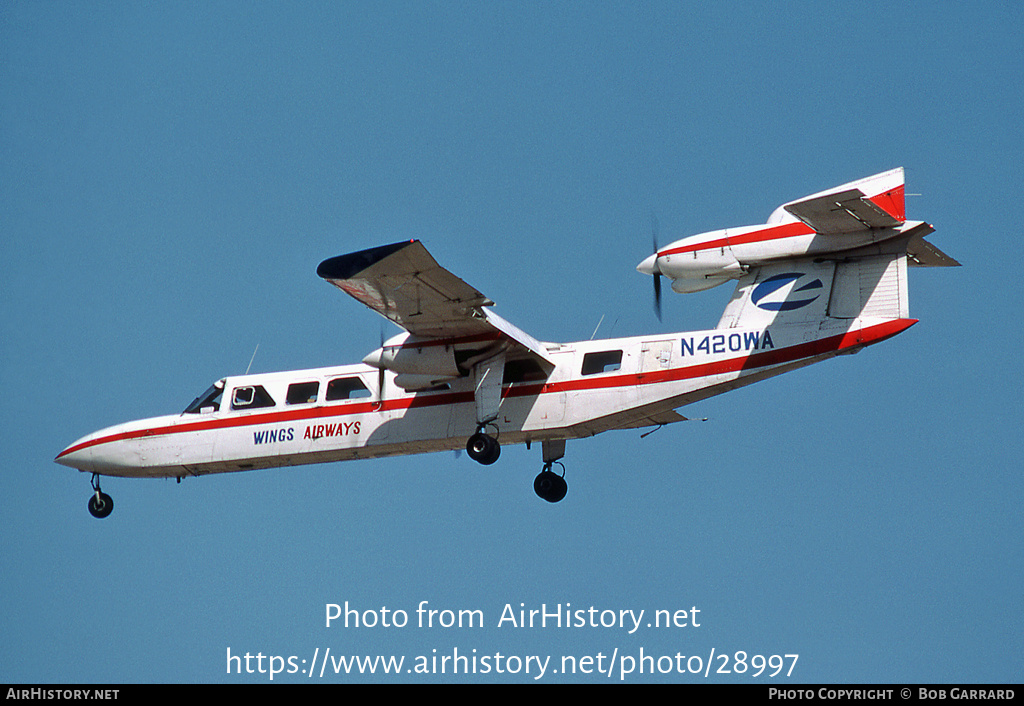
(209, 401)
(302, 393)
(251, 397)
(346, 389)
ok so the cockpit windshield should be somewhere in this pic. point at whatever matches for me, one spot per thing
(209, 401)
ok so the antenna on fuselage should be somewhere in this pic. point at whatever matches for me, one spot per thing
(252, 359)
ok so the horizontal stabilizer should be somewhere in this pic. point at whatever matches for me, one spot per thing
(921, 253)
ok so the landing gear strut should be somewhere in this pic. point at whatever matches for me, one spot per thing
(483, 448)
(100, 504)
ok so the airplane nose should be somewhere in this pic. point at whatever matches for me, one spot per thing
(649, 266)
(75, 457)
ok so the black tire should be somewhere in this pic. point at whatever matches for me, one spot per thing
(483, 449)
(550, 486)
(102, 506)
(494, 453)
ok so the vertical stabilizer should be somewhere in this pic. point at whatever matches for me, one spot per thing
(813, 292)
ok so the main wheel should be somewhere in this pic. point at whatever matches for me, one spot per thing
(101, 506)
(550, 486)
(483, 448)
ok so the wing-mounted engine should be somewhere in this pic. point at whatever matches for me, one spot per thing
(420, 363)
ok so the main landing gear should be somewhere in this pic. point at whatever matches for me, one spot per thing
(548, 485)
(483, 448)
(100, 504)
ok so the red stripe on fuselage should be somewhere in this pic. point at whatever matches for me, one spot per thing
(832, 344)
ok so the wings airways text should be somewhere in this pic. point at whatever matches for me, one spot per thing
(315, 431)
(273, 435)
(732, 342)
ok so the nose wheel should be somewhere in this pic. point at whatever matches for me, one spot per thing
(100, 504)
(549, 485)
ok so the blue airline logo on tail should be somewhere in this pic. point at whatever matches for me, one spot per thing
(796, 298)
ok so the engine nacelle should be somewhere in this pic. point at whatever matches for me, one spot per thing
(688, 286)
(416, 357)
(698, 257)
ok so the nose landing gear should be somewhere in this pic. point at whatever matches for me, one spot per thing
(100, 504)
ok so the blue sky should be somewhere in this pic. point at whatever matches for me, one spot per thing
(173, 173)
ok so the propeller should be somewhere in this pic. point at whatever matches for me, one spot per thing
(656, 273)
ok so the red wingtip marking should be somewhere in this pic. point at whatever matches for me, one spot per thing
(893, 202)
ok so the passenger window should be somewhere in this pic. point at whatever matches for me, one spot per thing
(251, 397)
(302, 393)
(603, 362)
(346, 389)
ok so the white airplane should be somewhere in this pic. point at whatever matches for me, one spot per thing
(827, 275)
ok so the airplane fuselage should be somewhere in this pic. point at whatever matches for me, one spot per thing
(338, 414)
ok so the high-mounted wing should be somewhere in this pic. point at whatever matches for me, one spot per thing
(403, 283)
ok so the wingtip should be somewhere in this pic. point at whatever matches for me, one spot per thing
(347, 266)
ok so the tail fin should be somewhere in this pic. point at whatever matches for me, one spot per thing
(870, 285)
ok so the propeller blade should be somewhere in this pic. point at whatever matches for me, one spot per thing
(657, 295)
(657, 273)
